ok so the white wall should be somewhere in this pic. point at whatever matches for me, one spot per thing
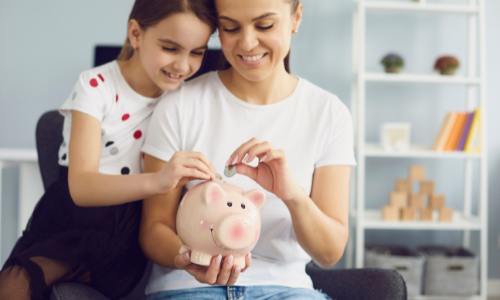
(46, 44)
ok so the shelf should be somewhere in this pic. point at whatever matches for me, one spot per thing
(18, 155)
(422, 297)
(421, 78)
(417, 151)
(373, 220)
(420, 7)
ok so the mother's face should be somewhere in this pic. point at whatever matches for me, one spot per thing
(255, 35)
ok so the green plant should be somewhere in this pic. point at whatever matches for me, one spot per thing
(392, 63)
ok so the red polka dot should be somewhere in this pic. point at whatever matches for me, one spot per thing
(116, 97)
(137, 134)
(125, 117)
(100, 77)
(93, 82)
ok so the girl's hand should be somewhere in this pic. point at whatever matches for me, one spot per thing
(183, 167)
(272, 173)
(219, 272)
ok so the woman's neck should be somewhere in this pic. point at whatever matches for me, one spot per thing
(276, 87)
(138, 79)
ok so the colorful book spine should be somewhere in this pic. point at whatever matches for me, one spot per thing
(451, 144)
(465, 132)
(444, 133)
(473, 143)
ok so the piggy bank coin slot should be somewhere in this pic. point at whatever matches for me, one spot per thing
(455, 268)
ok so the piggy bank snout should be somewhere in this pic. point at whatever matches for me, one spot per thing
(236, 232)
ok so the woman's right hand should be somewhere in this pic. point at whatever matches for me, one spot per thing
(219, 272)
(183, 167)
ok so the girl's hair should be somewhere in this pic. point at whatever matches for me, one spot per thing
(224, 64)
(150, 12)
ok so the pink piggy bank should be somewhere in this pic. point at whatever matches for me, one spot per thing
(219, 218)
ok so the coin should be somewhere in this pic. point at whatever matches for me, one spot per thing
(217, 176)
(230, 171)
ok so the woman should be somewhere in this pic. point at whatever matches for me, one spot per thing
(282, 133)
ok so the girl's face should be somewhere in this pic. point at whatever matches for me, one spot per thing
(172, 50)
(256, 35)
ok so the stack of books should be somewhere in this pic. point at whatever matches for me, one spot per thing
(460, 132)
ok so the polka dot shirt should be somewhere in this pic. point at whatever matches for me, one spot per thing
(104, 94)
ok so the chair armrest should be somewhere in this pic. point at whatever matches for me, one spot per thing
(358, 284)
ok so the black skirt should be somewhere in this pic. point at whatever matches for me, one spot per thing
(100, 241)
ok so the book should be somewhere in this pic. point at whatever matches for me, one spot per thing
(473, 143)
(465, 132)
(444, 132)
(454, 137)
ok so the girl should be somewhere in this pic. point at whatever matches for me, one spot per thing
(85, 227)
(283, 134)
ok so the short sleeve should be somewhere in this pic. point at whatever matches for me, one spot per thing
(164, 132)
(339, 148)
(90, 95)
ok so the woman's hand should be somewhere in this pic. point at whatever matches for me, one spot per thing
(272, 173)
(219, 272)
(184, 166)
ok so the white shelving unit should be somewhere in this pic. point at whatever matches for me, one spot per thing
(363, 219)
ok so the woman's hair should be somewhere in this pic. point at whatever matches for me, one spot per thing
(150, 12)
(224, 64)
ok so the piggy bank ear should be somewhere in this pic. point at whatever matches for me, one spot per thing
(212, 192)
(257, 197)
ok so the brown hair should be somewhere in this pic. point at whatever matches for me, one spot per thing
(224, 64)
(150, 12)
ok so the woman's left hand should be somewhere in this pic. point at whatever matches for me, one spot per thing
(272, 173)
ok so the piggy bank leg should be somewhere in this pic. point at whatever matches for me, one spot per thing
(239, 262)
(200, 258)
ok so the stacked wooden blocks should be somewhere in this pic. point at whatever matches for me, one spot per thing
(405, 204)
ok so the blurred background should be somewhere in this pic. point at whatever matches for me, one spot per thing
(45, 45)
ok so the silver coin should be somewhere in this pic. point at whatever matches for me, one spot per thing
(230, 171)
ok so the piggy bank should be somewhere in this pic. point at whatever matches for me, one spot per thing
(219, 218)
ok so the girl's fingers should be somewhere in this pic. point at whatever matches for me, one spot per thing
(193, 174)
(249, 171)
(272, 155)
(225, 271)
(234, 276)
(213, 270)
(198, 164)
(200, 156)
(239, 154)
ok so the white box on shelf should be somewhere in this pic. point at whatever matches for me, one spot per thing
(395, 136)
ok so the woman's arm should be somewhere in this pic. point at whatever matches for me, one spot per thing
(160, 243)
(89, 188)
(320, 222)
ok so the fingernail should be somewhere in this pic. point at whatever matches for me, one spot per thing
(245, 158)
(235, 159)
(229, 260)
(237, 270)
(249, 256)
(218, 259)
(263, 158)
(186, 256)
(227, 163)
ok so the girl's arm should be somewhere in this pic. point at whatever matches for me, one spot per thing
(320, 221)
(160, 243)
(89, 188)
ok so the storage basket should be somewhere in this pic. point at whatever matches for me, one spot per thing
(409, 263)
(450, 271)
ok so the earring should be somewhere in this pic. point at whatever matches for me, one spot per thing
(295, 31)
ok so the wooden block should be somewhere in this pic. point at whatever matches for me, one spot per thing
(426, 214)
(417, 172)
(403, 185)
(390, 213)
(398, 199)
(407, 214)
(427, 187)
(417, 201)
(446, 214)
(436, 201)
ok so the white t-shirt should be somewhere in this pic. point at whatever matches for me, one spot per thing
(312, 126)
(124, 114)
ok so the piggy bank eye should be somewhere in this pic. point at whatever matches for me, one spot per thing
(229, 203)
(242, 205)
